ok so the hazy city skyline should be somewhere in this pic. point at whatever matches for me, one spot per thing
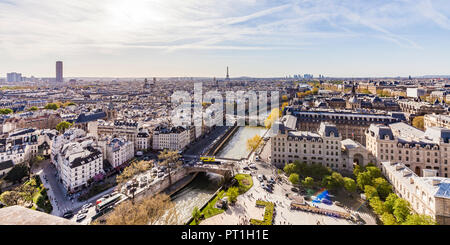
(200, 39)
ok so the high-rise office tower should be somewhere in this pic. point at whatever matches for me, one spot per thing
(228, 75)
(59, 72)
(14, 77)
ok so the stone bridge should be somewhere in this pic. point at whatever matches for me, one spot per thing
(224, 170)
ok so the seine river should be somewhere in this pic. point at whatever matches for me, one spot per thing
(196, 194)
(236, 148)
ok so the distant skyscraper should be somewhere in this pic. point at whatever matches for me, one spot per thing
(59, 72)
(228, 74)
(14, 77)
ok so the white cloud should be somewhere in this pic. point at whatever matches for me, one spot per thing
(30, 28)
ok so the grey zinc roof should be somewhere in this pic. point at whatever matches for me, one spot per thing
(6, 164)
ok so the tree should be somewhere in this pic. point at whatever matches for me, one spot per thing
(26, 192)
(170, 159)
(337, 179)
(154, 210)
(333, 181)
(289, 169)
(10, 198)
(273, 116)
(377, 205)
(308, 182)
(6, 111)
(390, 201)
(401, 210)
(62, 126)
(34, 162)
(232, 194)
(388, 219)
(383, 187)
(418, 122)
(33, 108)
(374, 172)
(370, 192)
(17, 173)
(294, 178)
(349, 184)
(51, 106)
(357, 170)
(132, 170)
(196, 214)
(419, 219)
(253, 143)
(363, 179)
(69, 103)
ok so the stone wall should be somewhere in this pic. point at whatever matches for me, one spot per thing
(443, 210)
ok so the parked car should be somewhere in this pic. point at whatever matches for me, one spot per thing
(160, 174)
(294, 189)
(87, 205)
(257, 158)
(264, 177)
(260, 178)
(83, 211)
(246, 168)
(338, 204)
(80, 217)
(68, 215)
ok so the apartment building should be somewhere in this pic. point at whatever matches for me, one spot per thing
(417, 149)
(77, 159)
(323, 147)
(117, 151)
(127, 129)
(174, 138)
(434, 120)
(350, 125)
(429, 195)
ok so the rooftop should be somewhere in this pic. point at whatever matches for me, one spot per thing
(17, 215)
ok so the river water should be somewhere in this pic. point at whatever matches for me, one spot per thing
(236, 148)
(196, 194)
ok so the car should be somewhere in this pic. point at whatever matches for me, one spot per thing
(160, 174)
(68, 215)
(83, 211)
(338, 204)
(263, 185)
(80, 217)
(264, 177)
(294, 189)
(246, 168)
(257, 158)
(260, 178)
(87, 205)
(106, 196)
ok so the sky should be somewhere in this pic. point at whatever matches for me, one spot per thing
(200, 38)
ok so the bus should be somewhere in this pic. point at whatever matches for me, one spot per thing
(207, 159)
(109, 202)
